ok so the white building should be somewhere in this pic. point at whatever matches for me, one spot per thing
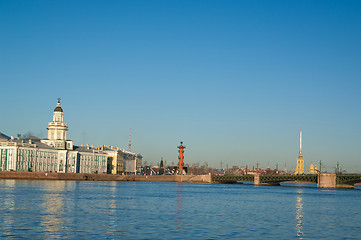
(57, 130)
(132, 162)
(55, 154)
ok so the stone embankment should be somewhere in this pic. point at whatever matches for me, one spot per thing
(104, 177)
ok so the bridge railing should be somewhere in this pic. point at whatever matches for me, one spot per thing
(348, 179)
(232, 178)
(340, 179)
(277, 178)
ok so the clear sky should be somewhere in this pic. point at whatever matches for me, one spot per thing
(234, 80)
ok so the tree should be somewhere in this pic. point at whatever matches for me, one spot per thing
(161, 170)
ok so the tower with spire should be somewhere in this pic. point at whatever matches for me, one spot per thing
(300, 167)
(57, 130)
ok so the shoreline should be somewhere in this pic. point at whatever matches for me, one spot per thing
(104, 177)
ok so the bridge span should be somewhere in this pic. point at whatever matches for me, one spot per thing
(323, 180)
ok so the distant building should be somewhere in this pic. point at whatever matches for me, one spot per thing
(121, 161)
(58, 154)
(313, 168)
(55, 154)
(20, 155)
(112, 158)
(300, 167)
(132, 162)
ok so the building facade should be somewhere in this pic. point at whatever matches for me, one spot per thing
(121, 161)
(132, 162)
(54, 154)
(21, 155)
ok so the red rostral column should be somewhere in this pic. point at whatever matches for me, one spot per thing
(181, 157)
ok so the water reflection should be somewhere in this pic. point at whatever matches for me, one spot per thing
(179, 218)
(299, 213)
(112, 208)
(53, 210)
(7, 206)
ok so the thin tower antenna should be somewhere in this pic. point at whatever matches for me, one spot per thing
(130, 140)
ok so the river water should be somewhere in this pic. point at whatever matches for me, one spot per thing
(144, 210)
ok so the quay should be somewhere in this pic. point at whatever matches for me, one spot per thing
(103, 177)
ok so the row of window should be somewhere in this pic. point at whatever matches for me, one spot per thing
(35, 160)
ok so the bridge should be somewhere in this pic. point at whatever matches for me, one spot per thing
(348, 179)
(323, 180)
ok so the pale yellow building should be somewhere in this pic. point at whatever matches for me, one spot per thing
(313, 168)
(115, 163)
(121, 161)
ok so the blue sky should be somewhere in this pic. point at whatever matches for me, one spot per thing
(234, 80)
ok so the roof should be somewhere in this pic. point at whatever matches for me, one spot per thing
(38, 144)
(85, 149)
(58, 107)
(4, 137)
(43, 145)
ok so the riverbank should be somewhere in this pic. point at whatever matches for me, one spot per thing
(103, 177)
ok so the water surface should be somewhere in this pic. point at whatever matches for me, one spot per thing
(143, 210)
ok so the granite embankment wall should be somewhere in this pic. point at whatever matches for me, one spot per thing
(103, 177)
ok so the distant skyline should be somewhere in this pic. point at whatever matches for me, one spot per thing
(234, 80)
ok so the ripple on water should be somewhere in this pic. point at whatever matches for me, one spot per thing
(134, 210)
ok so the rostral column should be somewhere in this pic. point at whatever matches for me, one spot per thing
(181, 157)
